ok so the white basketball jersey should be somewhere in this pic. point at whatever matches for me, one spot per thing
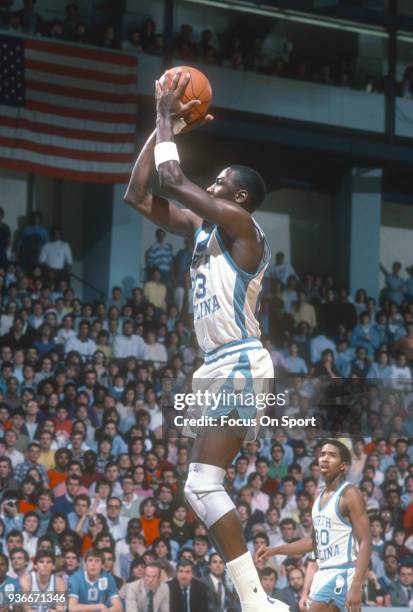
(225, 297)
(336, 545)
(50, 588)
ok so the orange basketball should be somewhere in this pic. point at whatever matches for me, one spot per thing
(198, 88)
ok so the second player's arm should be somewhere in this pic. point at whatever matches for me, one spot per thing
(300, 547)
(308, 579)
(355, 509)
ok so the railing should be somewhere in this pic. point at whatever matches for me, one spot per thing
(102, 294)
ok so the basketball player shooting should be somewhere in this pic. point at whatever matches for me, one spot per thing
(341, 537)
(229, 260)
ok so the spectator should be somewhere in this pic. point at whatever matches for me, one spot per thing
(291, 595)
(394, 283)
(148, 34)
(269, 577)
(148, 593)
(304, 311)
(282, 270)
(93, 586)
(5, 240)
(320, 343)
(129, 344)
(294, 363)
(160, 256)
(32, 22)
(365, 335)
(82, 343)
(71, 21)
(134, 43)
(109, 39)
(56, 256)
(401, 592)
(32, 238)
(220, 597)
(116, 299)
(186, 592)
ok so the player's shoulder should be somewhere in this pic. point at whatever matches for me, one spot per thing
(350, 493)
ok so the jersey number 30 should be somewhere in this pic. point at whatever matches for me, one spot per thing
(322, 537)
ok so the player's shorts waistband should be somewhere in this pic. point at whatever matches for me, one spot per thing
(232, 347)
(338, 567)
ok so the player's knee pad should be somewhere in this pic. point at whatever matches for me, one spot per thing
(204, 491)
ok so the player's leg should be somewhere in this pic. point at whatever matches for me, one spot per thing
(219, 448)
(212, 453)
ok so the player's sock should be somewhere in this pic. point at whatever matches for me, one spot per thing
(248, 586)
(245, 578)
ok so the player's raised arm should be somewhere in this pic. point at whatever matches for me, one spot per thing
(356, 511)
(155, 208)
(230, 215)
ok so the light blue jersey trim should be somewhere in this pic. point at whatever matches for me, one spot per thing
(197, 232)
(337, 508)
(235, 266)
(350, 547)
(240, 294)
(338, 567)
(244, 349)
(238, 343)
(336, 495)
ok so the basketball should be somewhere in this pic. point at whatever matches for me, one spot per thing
(198, 88)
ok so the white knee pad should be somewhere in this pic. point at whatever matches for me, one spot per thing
(205, 492)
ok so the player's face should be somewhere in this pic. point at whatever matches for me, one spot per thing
(330, 462)
(222, 186)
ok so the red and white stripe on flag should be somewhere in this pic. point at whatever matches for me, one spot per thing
(78, 119)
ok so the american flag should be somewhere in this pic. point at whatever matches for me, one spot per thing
(67, 111)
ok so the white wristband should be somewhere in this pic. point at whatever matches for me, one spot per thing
(165, 151)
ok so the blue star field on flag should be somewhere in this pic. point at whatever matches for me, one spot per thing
(12, 71)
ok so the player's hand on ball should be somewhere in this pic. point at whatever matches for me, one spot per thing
(303, 603)
(168, 96)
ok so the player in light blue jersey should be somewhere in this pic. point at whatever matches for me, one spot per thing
(229, 261)
(8, 586)
(91, 589)
(341, 537)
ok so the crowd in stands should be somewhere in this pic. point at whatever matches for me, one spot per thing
(238, 51)
(90, 473)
